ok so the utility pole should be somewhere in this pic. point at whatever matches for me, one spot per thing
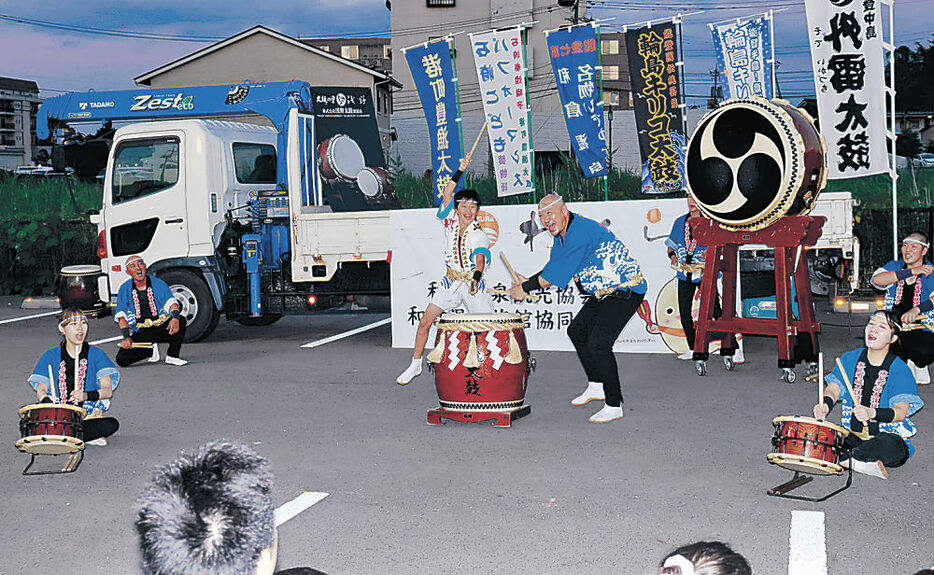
(714, 99)
(778, 87)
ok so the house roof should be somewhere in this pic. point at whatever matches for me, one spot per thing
(17, 84)
(146, 78)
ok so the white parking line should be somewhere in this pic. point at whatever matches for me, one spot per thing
(107, 340)
(348, 333)
(46, 314)
(807, 547)
(289, 510)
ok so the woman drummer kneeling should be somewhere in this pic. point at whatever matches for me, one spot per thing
(886, 394)
(83, 376)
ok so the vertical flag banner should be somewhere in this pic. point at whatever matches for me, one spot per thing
(574, 61)
(743, 50)
(500, 59)
(846, 52)
(433, 73)
(657, 105)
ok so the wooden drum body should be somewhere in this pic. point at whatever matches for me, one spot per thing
(340, 157)
(374, 182)
(481, 362)
(51, 428)
(807, 445)
(77, 288)
(750, 162)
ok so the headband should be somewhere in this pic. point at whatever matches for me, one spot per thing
(681, 562)
(132, 259)
(915, 241)
(72, 319)
(556, 201)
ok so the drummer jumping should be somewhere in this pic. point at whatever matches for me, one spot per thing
(885, 395)
(590, 253)
(147, 313)
(467, 253)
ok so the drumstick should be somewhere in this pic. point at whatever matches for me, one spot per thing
(864, 434)
(140, 345)
(505, 292)
(52, 386)
(515, 276)
(477, 141)
(820, 378)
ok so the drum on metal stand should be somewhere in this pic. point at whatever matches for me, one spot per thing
(77, 288)
(52, 429)
(340, 158)
(482, 365)
(750, 162)
(807, 445)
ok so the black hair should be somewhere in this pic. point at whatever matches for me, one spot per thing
(891, 318)
(921, 235)
(467, 195)
(207, 513)
(710, 558)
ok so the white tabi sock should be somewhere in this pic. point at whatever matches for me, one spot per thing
(594, 391)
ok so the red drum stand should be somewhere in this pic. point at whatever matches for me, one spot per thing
(786, 237)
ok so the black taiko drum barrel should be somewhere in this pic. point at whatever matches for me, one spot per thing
(77, 288)
(752, 161)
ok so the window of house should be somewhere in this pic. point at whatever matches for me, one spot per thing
(439, 3)
(611, 72)
(611, 98)
(609, 47)
(350, 52)
(326, 48)
(144, 167)
(387, 51)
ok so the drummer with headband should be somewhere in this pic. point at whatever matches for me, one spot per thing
(886, 395)
(77, 373)
(147, 313)
(466, 254)
(687, 257)
(603, 269)
(909, 292)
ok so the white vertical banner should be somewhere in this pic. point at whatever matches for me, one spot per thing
(500, 60)
(846, 52)
(744, 49)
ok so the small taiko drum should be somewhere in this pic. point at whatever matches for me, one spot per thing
(481, 362)
(51, 428)
(807, 445)
(77, 288)
(752, 161)
(339, 157)
(374, 182)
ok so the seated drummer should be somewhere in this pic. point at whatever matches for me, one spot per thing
(886, 394)
(84, 376)
(909, 292)
(147, 312)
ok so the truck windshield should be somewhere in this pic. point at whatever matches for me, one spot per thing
(143, 167)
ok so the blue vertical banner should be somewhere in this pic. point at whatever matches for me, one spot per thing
(433, 73)
(744, 49)
(574, 59)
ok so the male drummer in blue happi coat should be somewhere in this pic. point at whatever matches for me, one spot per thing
(147, 312)
(588, 252)
(688, 258)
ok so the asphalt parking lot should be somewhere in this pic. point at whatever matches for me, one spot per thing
(552, 494)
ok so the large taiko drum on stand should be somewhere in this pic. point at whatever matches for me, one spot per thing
(340, 158)
(77, 288)
(808, 445)
(481, 363)
(750, 162)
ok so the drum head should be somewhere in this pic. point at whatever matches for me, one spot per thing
(841, 431)
(345, 157)
(478, 317)
(746, 162)
(805, 464)
(81, 270)
(27, 408)
(369, 183)
(49, 444)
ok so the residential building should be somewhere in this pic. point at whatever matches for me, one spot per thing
(919, 121)
(19, 102)
(373, 52)
(261, 54)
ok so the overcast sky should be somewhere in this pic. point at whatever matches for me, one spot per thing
(60, 59)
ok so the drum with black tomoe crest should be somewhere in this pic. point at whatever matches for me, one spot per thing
(77, 288)
(750, 162)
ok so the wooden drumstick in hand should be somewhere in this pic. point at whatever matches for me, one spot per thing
(469, 155)
(52, 386)
(514, 275)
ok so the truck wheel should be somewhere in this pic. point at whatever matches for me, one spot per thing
(267, 319)
(194, 299)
